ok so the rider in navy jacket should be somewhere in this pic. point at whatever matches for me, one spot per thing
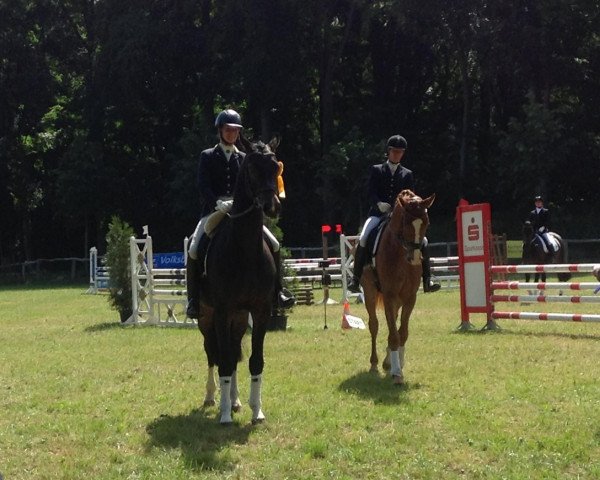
(218, 168)
(385, 185)
(386, 181)
(217, 174)
(540, 220)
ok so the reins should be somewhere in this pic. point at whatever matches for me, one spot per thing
(255, 204)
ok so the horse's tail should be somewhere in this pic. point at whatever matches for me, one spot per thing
(379, 301)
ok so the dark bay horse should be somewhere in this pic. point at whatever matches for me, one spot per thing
(240, 279)
(396, 277)
(534, 253)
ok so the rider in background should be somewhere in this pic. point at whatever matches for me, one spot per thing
(386, 181)
(217, 172)
(540, 221)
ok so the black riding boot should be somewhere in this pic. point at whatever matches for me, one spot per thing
(193, 274)
(428, 284)
(359, 262)
(284, 298)
(195, 270)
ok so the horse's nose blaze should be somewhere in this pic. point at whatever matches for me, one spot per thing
(416, 223)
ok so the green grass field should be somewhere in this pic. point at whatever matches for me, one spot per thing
(83, 398)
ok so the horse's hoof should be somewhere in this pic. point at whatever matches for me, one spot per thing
(209, 403)
(374, 369)
(257, 416)
(236, 407)
(386, 366)
(398, 379)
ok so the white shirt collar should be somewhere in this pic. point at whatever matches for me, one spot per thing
(228, 150)
(393, 166)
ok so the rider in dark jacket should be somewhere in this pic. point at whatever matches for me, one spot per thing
(386, 181)
(540, 221)
(217, 173)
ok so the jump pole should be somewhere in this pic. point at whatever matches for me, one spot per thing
(474, 225)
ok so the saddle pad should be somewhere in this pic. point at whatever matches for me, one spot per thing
(552, 240)
(213, 221)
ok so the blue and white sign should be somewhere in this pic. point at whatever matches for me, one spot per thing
(168, 260)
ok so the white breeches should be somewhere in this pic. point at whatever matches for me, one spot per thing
(199, 231)
(368, 227)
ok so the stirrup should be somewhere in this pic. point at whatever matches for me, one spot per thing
(430, 287)
(192, 310)
(285, 299)
(354, 286)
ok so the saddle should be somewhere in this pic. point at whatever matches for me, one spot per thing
(373, 241)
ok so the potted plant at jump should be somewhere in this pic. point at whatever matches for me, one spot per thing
(117, 261)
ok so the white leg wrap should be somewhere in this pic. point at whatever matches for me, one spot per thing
(211, 387)
(225, 407)
(235, 393)
(401, 357)
(395, 370)
(255, 401)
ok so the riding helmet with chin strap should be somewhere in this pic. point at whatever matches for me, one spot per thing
(397, 141)
(228, 117)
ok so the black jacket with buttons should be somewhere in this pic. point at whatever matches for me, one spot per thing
(216, 176)
(385, 186)
(539, 220)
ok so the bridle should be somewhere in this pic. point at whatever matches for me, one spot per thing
(410, 245)
(258, 197)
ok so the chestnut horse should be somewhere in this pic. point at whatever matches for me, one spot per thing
(240, 278)
(396, 276)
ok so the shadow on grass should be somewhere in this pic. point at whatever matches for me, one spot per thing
(200, 438)
(102, 327)
(377, 388)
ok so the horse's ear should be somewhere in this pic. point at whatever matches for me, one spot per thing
(429, 201)
(245, 144)
(274, 142)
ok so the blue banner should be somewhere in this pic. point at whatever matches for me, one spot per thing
(168, 260)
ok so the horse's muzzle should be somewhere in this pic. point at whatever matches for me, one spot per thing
(271, 204)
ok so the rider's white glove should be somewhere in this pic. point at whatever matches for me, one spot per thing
(384, 207)
(541, 229)
(224, 205)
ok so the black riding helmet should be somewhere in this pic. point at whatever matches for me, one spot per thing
(397, 141)
(229, 117)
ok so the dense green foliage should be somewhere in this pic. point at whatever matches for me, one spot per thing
(106, 104)
(119, 262)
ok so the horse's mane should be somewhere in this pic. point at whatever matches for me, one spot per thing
(258, 146)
